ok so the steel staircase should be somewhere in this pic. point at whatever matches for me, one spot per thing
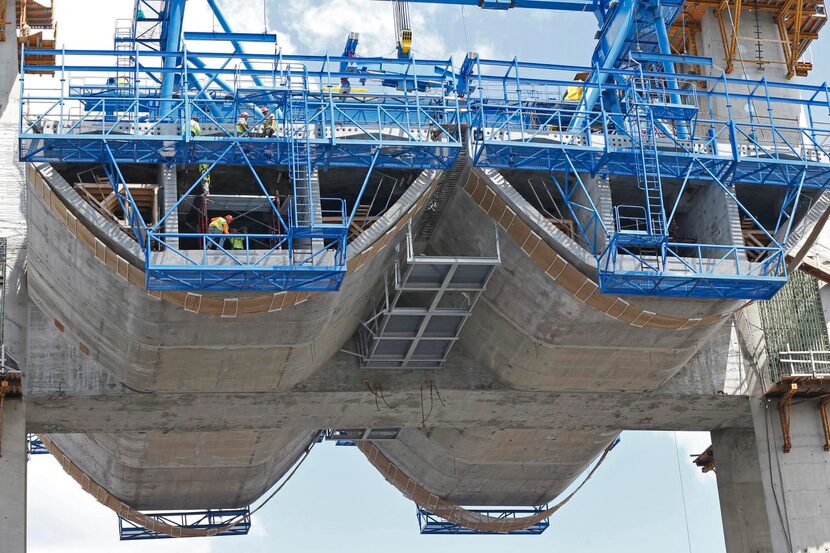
(442, 195)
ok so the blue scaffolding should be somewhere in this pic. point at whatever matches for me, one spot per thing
(34, 445)
(431, 524)
(630, 115)
(193, 520)
(655, 126)
(112, 109)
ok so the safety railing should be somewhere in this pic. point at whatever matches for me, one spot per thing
(631, 219)
(400, 103)
(804, 363)
(301, 259)
(692, 270)
(520, 112)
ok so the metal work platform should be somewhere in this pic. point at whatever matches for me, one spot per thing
(196, 520)
(306, 260)
(350, 436)
(690, 270)
(431, 524)
(630, 114)
(426, 301)
(404, 112)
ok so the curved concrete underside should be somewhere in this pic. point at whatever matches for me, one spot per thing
(528, 331)
(487, 467)
(186, 470)
(535, 334)
(152, 345)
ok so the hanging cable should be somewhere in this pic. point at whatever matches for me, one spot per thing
(464, 26)
(682, 493)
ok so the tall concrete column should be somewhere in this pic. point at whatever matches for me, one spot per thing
(741, 491)
(13, 478)
(773, 501)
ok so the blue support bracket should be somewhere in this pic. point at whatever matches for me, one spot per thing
(195, 520)
(430, 524)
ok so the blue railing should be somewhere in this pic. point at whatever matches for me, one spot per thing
(431, 524)
(300, 258)
(699, 270)
(210, 519)
(401, 107)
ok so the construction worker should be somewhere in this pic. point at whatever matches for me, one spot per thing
(195, 128)
(236, 240)
(242, 123)
(219, 225)
(269, 126)
(203, 170)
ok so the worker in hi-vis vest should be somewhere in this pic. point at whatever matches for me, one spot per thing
(242, 123)
(237, 241)
(219, 225)
(195, 128)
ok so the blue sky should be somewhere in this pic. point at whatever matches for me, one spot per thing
(337, 501)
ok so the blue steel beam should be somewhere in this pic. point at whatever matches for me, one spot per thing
(238, 37)
(616, 29)
(595, 6)
(171, 40)
(237, 46)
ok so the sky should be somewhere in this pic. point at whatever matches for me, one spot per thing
(642, 500)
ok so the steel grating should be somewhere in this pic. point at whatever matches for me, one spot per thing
(426, 301)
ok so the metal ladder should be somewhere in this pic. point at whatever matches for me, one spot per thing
(648, 170)
(306, 194)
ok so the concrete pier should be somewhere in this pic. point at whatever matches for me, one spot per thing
(13, 477)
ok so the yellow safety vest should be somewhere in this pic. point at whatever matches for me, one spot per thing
(237, 243)
(219, 223)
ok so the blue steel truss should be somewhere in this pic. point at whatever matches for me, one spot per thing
(196, 520)
(632, 116)
(655, 126)
(431, 524)
(112, 108)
